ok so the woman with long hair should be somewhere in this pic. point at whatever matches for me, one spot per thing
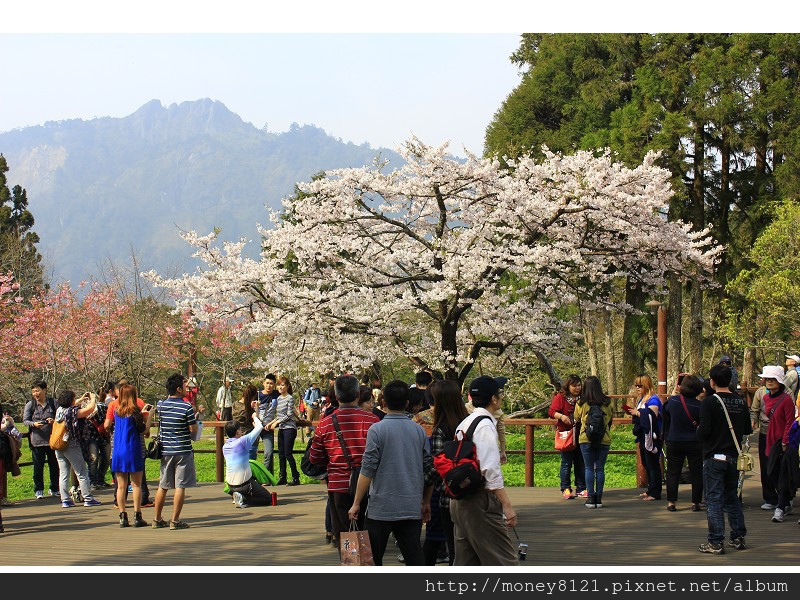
(562, 408)
(287, 431)
(648, 427)
(243, 410)
(127, 457)
(448, 412)
(594, 455)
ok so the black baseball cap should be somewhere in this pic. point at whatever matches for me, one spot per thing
(486, 387)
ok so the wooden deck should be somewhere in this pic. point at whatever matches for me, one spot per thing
(41, 533)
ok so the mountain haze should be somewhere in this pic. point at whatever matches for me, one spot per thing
(102, 188)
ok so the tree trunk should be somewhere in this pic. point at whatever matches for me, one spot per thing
(632, 359)
(674, 323)
(588, 323)
(697, 195)
(611, 361)
(696, 330)
(748, 367)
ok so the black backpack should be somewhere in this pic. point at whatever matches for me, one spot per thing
(595, 424)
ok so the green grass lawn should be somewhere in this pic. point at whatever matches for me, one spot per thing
(620, 469)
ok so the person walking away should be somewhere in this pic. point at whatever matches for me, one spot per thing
(326, 449)
(38, 417)
(720, 454)
(562, 407)
(681, 420)
(74, 411)
(225, 400)
(481, 520)
(127, 457)
(176, 425)
(243, 486)
(393, 471)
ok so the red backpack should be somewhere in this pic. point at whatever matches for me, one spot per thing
(458, 465)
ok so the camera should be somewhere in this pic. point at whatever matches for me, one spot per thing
(522, 551)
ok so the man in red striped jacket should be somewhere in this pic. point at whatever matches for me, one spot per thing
(326, 449)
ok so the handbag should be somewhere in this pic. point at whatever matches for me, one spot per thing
(310, 469)
(155, 448)
(744, 462)
(355, 549)
(59, 435)
(565, 440)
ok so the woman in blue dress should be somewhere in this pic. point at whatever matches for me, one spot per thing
(127, 457)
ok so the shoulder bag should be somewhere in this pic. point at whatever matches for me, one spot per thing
(59, 435)
(688, 414)
(744, 462)
(355, 471)
(155, 448)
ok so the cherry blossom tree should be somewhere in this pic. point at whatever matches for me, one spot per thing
(440, 258)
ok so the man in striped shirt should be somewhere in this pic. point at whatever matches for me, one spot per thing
(176, 425)
(327, 450)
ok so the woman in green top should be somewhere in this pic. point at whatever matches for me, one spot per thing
(594, 456)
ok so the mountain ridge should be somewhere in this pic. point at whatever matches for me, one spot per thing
(100, 188)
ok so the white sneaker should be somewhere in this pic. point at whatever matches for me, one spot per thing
(39, 494)
(768, 506)
(788, 510)
(778, 516)
(239, 499)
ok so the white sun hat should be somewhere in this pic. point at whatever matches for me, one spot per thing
(772, 372)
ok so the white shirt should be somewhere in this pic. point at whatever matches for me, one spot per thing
(224, 399)
(486, 447)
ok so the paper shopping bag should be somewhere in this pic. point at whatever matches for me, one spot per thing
(355, 549)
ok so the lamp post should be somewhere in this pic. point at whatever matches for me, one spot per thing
(660, 311)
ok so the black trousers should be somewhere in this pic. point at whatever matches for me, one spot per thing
(692, 452)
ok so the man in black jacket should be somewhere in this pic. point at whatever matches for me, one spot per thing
(720, 476)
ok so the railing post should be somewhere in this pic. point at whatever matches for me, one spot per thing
(529, 446)
(218, 435)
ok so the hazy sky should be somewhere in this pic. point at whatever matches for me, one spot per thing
(359, 69)
(378, 88)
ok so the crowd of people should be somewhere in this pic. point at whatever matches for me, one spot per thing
(376, 444)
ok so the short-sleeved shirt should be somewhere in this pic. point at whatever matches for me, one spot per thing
(174, 419)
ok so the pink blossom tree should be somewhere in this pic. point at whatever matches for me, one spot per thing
(441, 258)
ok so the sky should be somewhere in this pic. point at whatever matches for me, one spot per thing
(360, 70)
(360, 87)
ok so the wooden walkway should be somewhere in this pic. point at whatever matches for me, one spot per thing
(625, 531)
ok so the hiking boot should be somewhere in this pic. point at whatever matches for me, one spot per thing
(123, 520)
(768, 506)
(590, 502)
(737, 543)
(778, 516)
(159, 523)
(138, 521)
(178, 525)
(712, 548)
(567, 494)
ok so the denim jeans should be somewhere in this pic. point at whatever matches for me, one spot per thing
(721, 479)
(568, 460)
(40, 455)
(652, 467)
(595, 461)
(269, 448)
(100, 460)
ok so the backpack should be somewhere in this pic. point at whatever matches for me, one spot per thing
(595, 424)
(458, 466)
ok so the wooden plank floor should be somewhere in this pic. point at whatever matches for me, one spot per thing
(625, 531)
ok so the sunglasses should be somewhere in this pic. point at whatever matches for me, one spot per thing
(638, 385)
